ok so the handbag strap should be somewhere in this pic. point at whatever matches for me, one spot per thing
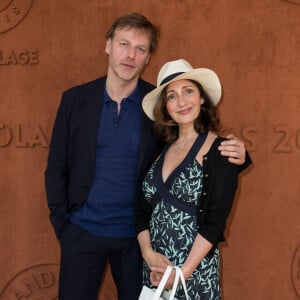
(164, 280)
(175, 284)
(162, 283)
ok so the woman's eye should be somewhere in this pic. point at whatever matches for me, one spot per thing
(171, 97)
(189, 91)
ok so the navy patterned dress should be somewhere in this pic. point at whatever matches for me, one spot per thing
(173, 225)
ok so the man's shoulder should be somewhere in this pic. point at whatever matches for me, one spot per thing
(98, 84)
(87, 87)
(146, 86)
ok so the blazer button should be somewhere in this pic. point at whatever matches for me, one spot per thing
(204, 194)
(201, 210)
(206, 175)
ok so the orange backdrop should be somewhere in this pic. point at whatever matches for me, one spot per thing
(49, 46)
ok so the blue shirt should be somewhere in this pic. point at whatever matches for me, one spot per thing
(109, 208)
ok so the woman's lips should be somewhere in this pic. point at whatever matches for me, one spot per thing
(184, 111)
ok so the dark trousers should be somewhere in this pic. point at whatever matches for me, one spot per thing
(83, 261)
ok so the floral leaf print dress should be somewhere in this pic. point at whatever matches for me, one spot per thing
(173, 224)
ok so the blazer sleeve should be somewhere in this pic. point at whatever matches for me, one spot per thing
(246, 164)
(143, 211)
(57, 171)
(217, 196)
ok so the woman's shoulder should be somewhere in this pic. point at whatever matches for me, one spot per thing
(212, 141)
(218, 140)
(215, 158)
(215, 141)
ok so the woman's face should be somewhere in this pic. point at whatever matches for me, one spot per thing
(183, 101)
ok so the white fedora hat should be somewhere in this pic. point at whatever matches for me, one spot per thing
(177, 70)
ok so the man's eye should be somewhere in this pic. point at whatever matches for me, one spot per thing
(141, 49)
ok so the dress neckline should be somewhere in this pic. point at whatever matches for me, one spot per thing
(198, 143)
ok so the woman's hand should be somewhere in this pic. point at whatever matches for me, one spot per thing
(157, 274)
(155, 259)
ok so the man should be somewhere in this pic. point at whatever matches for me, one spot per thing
(102, 145)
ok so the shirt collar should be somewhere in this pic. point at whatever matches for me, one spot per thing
(134, 96)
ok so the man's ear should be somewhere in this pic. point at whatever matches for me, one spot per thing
(108, 46)
(148, 60)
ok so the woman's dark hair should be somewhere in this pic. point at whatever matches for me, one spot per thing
(166, 128)
(135, 20)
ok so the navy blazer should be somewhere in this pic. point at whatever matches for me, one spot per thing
(72, 153)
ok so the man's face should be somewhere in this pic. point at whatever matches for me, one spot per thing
(128, 53)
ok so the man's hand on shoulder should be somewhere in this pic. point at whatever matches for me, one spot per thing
(234, 149)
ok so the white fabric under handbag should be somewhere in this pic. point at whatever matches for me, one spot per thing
(160, 293)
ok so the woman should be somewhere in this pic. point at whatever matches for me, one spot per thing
(189, 190)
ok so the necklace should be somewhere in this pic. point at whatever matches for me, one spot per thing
(180, 146)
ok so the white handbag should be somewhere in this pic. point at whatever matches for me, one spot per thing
(160, 293)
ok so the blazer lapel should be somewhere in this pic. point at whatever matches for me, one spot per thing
(146, 130)
(93, 110)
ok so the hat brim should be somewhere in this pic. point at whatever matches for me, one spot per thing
(206, 77)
